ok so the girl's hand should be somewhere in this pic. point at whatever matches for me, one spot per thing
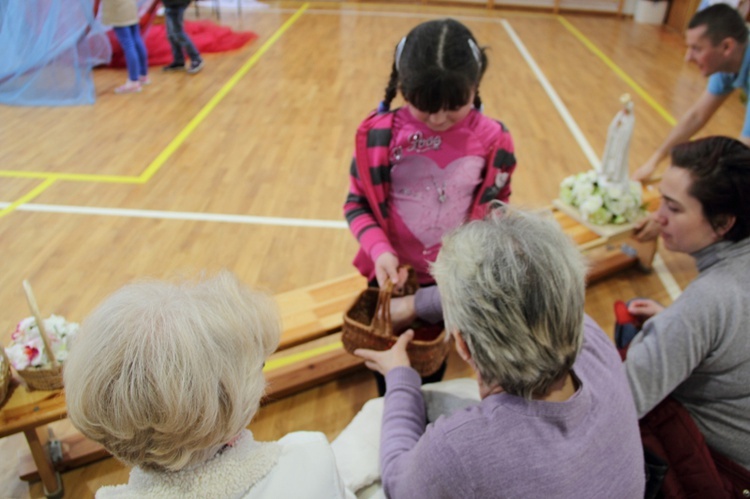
(384, 361)
(644, 308)
(386, 267)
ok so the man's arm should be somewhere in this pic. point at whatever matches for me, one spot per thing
(696, 117)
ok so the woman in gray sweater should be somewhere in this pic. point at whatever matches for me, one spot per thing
(697, 350)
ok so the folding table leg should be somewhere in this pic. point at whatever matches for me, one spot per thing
(37, 440)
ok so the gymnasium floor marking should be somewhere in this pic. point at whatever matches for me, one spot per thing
(179, 215)
(300, 356)
(72, 177)
(619, 72)
(9, 207)
(203, 113)
(556, 101)
(666, 277)
(156, 164)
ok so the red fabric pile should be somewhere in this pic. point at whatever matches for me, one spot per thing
(207, 37)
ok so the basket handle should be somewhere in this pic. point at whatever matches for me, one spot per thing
(39, 322)
(382, 319)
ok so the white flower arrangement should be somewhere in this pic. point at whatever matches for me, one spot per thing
(601, 203)
(27, 347)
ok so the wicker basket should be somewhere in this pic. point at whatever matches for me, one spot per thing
(367, 324)
(43, 378)
(50, 376)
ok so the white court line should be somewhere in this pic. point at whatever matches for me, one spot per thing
(666, 278)
(404, 15)
(181, 215)
(556, 101)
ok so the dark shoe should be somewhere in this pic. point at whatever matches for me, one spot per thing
(195, 66)
(175, 66)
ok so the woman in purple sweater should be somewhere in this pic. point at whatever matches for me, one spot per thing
(556, 417)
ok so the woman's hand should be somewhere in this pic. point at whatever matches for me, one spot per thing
(646, 229)
(386, 267)
(383, 362)
(644, 308)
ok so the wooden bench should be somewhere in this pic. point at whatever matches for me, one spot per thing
(310, 352)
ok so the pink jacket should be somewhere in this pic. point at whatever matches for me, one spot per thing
(365, 208)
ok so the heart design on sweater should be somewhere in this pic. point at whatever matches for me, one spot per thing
(431, 200)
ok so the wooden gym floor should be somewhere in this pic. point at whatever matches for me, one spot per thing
(245, 165)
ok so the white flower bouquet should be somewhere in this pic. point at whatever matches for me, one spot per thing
(602, 203)
(27, 350)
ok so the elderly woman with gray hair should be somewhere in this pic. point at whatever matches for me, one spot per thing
(556, 417)
(167, 377)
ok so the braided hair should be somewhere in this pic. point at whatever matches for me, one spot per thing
(437, 66)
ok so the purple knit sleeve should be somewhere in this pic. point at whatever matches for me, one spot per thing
(404, 420)
(427, 304)
(415, 458)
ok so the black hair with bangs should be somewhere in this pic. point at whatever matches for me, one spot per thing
(436, 67)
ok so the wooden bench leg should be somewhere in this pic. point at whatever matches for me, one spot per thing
(37, 440)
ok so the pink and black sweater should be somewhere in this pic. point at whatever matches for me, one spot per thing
(410, 185)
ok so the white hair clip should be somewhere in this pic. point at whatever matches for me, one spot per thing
(399, 50)
(475, 50)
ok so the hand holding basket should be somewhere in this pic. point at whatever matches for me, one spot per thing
(367, 324)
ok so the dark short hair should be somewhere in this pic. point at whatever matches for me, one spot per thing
(721, 22)
(720, 170)
(439, 66)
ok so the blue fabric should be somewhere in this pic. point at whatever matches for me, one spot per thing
(724, 83)
(134, 49)
(47, 51)
(179, 41)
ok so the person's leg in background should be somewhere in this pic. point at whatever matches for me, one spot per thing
(196, 62)
(125, 37)
(181, 42)
(140, 48)
(173, 20)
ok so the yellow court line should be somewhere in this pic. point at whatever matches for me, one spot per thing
(619, 72)
(51, 178)
(203, 113)
(307, 354)
(73, 177)
(27, 197)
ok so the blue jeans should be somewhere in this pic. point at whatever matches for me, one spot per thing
(179, 41)
(132, 45)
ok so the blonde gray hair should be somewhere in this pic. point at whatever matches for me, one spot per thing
(164, 374)
(514, 286)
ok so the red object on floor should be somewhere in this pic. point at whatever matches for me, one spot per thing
(622, 315)
(207, 37)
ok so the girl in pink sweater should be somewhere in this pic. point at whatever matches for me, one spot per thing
(423, 169)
